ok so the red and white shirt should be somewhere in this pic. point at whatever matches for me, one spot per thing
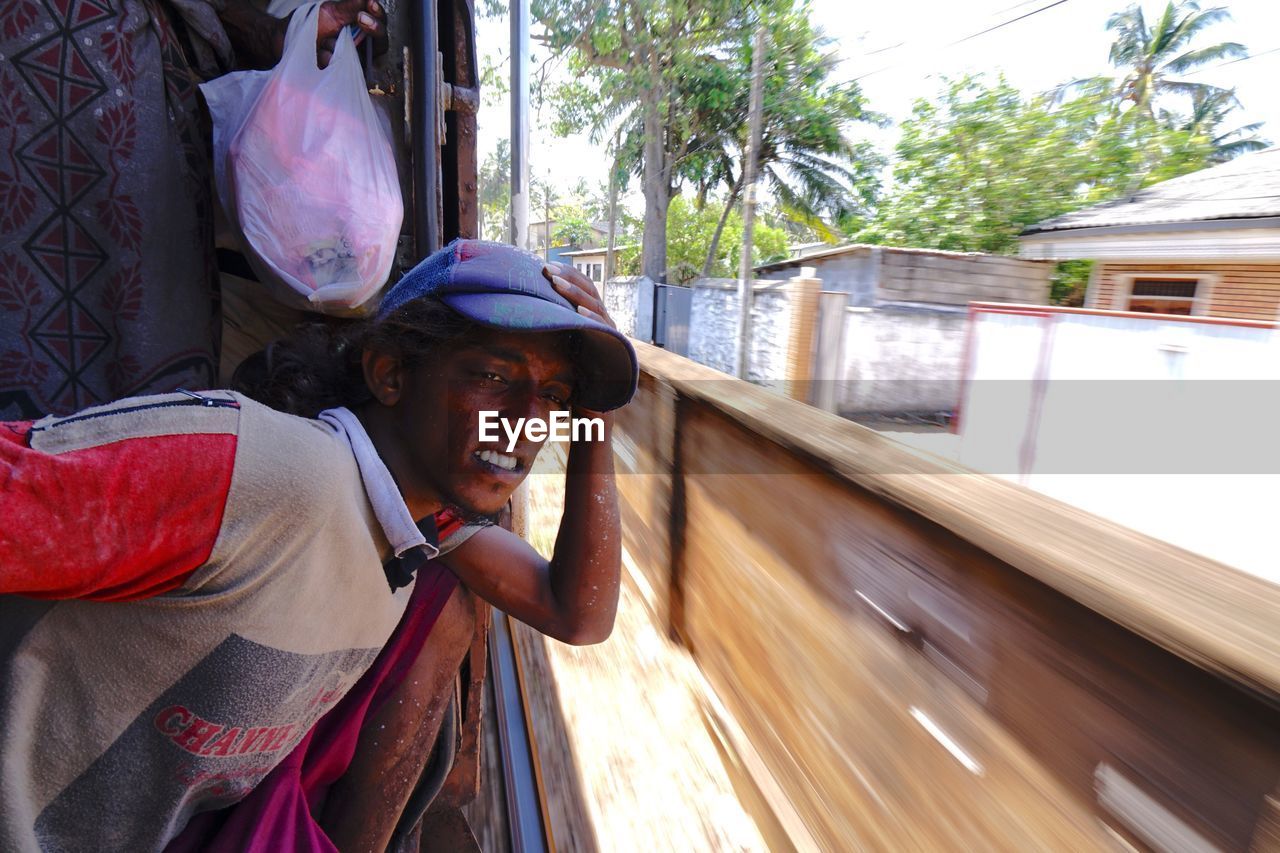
(187, 583)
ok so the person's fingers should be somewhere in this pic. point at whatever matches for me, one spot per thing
(368, 24)
(575, 294)
(369, 17)
(335, 14)
(574, 275)
(376, 26)
(583, 280)
(599, 318)
(575, 286)
(585, 304)
(324, 52)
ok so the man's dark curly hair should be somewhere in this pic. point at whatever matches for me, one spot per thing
(319, 366)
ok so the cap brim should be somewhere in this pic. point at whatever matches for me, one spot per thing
(607, 367)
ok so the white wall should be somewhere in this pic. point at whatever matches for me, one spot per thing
(901, 360)
(1167, 427)
(713, 318)
(713, 328)
(620, 301)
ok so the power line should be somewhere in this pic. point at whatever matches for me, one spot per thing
(990, 29)
(884, 49)
(1010, 21)
(1011, 8)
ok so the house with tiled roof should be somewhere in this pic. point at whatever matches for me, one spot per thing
(1207, 243)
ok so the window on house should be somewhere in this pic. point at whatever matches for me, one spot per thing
(1164, 295)
(597, 272)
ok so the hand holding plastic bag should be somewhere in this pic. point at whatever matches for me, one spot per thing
(306, 172)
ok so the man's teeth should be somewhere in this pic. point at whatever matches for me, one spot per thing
(493, 457)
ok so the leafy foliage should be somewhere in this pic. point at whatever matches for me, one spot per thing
(1154, 59)
(817, 173)
(495, 192)
(1068, 283)
(570, 227)
(689, 234)
(1150, 55)
(654, 69)
(981, 164)
(1209, 112)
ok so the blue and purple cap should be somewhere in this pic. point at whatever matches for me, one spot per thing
(503, 287)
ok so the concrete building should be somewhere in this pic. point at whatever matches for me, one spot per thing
(873, 276)
(898, 346)
(590, 260)
(1204, 244)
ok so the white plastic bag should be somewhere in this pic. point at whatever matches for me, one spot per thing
(306, 174)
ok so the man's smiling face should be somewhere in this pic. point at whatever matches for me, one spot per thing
(517, 375)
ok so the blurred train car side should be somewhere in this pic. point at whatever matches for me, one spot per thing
(924, 658)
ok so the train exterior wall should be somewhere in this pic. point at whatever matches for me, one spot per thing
(923, 660)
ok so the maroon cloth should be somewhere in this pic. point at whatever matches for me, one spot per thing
(108, 286)
(278, 814)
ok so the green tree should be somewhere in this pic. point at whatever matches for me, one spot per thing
(495, 192)
(817, 174)
(631, 60)
(977, 166)
(1209, 111)
(690, 230)
(570, 226)
(1155, 58)
(1152, 55)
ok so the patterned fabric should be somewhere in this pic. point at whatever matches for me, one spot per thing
(107, 282)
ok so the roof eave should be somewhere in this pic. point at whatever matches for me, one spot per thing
(1085, 231)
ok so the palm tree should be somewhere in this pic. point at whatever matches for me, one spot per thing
(1209, 110)
(1153, 55)
(815, 172)
(1154, 59)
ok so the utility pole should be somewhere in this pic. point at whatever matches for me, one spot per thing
(520, 123)
(613, 208)
(520, 185)
(746, 270)
(546, 219)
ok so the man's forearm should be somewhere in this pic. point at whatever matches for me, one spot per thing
(585, 567)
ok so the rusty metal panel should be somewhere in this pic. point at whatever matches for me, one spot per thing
(463, 782)
(459, 158)
(446, 831)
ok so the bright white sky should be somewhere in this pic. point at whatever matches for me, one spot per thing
(898, 51)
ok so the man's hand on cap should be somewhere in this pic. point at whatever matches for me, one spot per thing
(581, 292)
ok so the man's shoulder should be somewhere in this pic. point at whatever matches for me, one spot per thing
(287, 450)
(157, 416)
